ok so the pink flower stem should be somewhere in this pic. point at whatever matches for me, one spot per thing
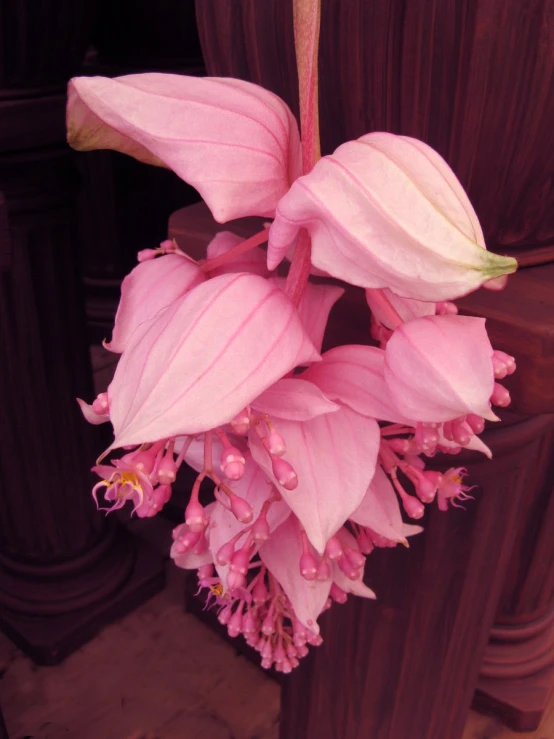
(300, 267)
(236, 251)
(307, 18)
(207, 471)
(184, 450)
(387, 308)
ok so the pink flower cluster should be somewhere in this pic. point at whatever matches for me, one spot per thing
(313, 455)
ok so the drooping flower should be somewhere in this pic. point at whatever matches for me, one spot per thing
(311, 457)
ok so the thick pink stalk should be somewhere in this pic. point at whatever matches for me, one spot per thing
(307, 17)
(300, 267)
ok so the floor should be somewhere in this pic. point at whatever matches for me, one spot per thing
(173, 679)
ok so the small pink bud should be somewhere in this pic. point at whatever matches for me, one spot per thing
(446, 308)
(500, 396)
(413, 507)
(179, 531)
(235, 580)
(186, 542)
(351, 572)
(250, 625)
(100, 405)
(225, 553)
(427, 484)
(195, 518)
(364, 542)
(259, 592)
(267, 650)
(201, 545)
(299, 634)
(233, 464)
(308, 566)
(462, 433)
(241, 423)
(316, 640)
(234, 627)
(205, 571)
(144, 255)
(476, 423)
(338, 594)
(276, 444)
(291, 650)
(503, 364)
(266, 664)
(355, 557)
(142, 461)
(426, 436)
(260, 529)
(284, 473)
(241, 509)
(224, 616)
(285, 666)
(279, 654)
(447, 431)
(167, 470)
(323, 570)
(268, 625)
(240, 561)
(302, 650)
(334, 549)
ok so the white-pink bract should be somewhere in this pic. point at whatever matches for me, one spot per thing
(313, 453)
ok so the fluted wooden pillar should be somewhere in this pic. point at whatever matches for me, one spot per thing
(64, 570)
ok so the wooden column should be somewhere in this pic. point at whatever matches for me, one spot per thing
(517, 674)
(64, 570)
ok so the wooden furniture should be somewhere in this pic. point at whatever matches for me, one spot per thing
(471, 607)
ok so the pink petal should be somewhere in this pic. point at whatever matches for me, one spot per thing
(475, 444)
(189, 560)
(380, 510)
(149, 288)
(90, 415)
(315, 307)
(407, 308)
(235, 142)
(253, 261)
(356, 587)
(410, 529)
(334, 457)
(281, 555)
(205, 358)
(353, 375)
(295, 400)
(384, 211)
(438, 368)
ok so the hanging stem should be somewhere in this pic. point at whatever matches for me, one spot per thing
(307, 19)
